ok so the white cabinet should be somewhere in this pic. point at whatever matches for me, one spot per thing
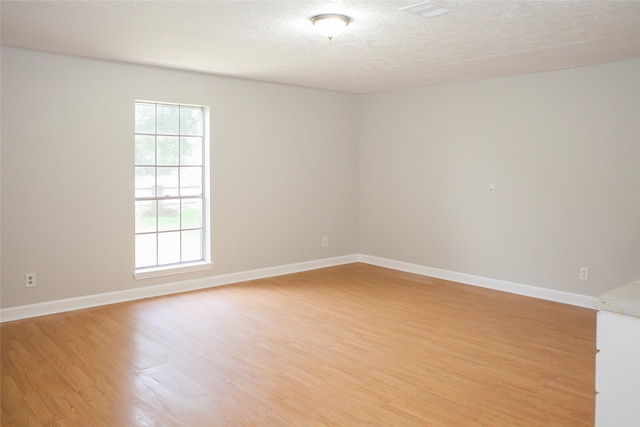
(617, 370)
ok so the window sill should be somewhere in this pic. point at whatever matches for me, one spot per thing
(147, 273)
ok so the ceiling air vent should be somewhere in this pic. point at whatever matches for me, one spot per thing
(426, 9)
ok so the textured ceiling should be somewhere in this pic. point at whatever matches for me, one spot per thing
(382, 49)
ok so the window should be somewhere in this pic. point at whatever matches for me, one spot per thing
(171, 170)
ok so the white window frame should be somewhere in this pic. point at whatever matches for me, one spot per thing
(188, 266)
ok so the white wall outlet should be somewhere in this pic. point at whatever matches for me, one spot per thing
(325, 242)
(584, 273)
(30, 280)
(492, 188)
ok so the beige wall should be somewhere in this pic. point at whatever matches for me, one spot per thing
(562, 149)
(283, 172)
(402, 175)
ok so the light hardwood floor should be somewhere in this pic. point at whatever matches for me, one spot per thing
(354, 345)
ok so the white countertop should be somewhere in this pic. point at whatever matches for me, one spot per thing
(623, 300)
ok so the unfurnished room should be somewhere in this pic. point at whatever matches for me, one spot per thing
(320, 213)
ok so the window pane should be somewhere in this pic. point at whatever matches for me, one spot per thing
(168, 215)
(191, 245)
(191, 151)
(169, 248)
(169, 188)
(168, 150)
(192, 213)
(145, 150)
(167, 182)
(168, 119)
(145, 182)
(145, 216)
(191, 121)
(190, 181)
(145, 118)
(145, 250)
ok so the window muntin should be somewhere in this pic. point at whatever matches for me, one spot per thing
(170, 185)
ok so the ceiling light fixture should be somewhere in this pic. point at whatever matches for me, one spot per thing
(330, 24)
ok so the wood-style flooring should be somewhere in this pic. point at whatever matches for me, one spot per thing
(353, 345)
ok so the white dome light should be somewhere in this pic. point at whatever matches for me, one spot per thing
(330, 25)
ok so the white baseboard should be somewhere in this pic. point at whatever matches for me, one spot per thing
(69, 304)
(59, 306)
(484, 282)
